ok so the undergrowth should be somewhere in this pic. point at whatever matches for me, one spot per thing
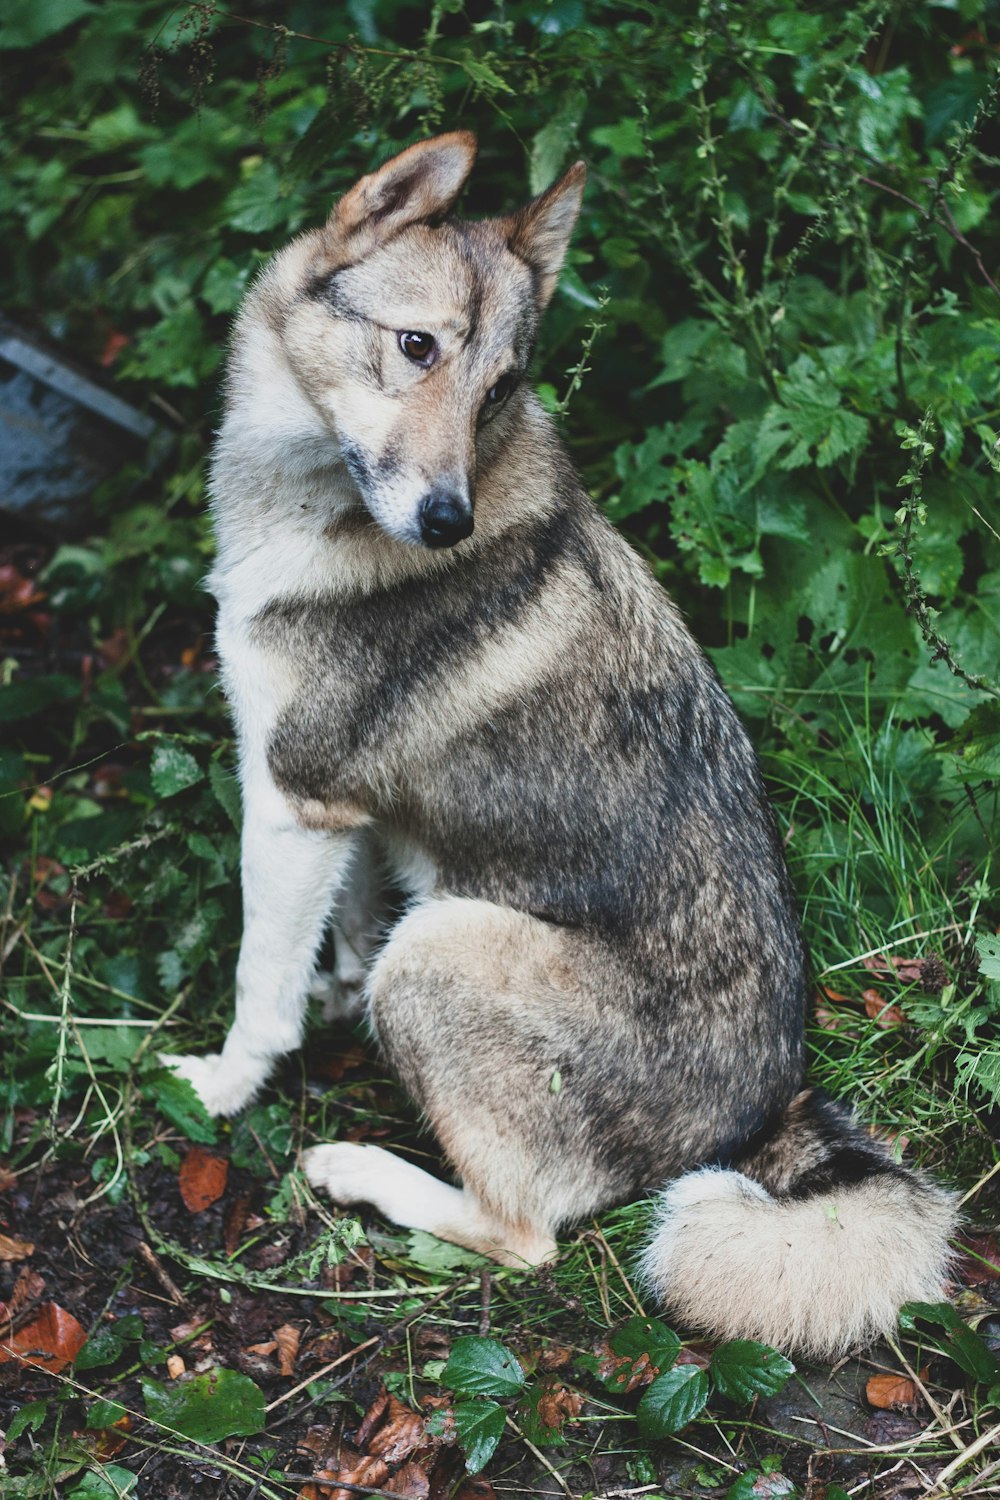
(774, 355)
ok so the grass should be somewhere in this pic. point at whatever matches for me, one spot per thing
(119, 936)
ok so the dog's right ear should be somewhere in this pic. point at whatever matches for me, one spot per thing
(420, 183)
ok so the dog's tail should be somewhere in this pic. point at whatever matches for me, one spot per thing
(810, 1243)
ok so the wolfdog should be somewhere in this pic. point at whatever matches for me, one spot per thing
(450, 675)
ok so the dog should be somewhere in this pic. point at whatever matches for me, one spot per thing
(448, 673)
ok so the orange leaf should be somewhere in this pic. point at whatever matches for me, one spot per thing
(202, 1179)
(50, 1341)
(287, 1339)
(884, 1391)
(11, 1249)
(7, 1179)
(880, 1011)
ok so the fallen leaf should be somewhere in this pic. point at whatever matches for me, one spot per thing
(401, 1431)
(889, 1391)
(334, 1068)
(557, 1405)
(833, 996)
(287, 1338)
(879, 1010)
(7, 1179)
(202, 1179)
(833, 1020)
(51, 1340)
(694, 1356)
(28, 1287)
(175, 1366)
(973, 1250)
(107, 1441)
(11, 1249)
(235, 1223)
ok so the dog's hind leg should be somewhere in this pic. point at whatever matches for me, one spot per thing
(486, 1016)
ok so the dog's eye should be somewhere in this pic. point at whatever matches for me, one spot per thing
(498, 393)
(417, 346)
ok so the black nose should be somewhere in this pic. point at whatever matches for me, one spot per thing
(444, 519)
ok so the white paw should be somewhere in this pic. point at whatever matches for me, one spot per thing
(222, 1089)
(344, 1171)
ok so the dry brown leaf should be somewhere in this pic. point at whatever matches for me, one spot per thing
(50, 1341)
(7, 1179)
(833, 996)
(287, 1338)
(105, 1442)
(12, 1249)
(175, 1366)
(202, 1179)
(334, 1068)
(28, 1287)
(878, 1009)
(558, 1405)
(267, 1347)
(888, 1391)
(974, 1249)
(400, 1432)
(235, 1222)
(554, 1357)
(694, 1356)
(833, 1020)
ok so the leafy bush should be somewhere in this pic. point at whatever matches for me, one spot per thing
(775, 351)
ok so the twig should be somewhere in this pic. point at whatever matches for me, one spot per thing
(935, 1408)
(618, 1267)
(163, 1277)
(323, 1370)
(560, 1481)
(980, 1184)
(985, 1440)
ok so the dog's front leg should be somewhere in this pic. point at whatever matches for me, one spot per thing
(291, 877)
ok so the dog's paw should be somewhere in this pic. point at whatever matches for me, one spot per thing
(344, 1171)
(221, 1089)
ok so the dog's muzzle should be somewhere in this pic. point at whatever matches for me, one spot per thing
(445, 518)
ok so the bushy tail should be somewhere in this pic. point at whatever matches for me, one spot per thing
(810, 1243)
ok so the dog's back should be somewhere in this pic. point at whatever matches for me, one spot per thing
(599, 984)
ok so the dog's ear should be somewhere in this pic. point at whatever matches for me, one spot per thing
(540, 232)
(420, 183)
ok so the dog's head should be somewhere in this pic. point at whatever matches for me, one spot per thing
(414, 331)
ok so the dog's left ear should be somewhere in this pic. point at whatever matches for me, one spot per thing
(540, 232)
(420, 183)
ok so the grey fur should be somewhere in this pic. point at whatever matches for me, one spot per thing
(600, 982)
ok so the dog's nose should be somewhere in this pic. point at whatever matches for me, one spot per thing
(445, 519)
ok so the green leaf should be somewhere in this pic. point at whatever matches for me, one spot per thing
(102, 1348)
(27, 22)
(672, 1401)
(754, 1485)
(641, 1339)
(103, 1413)
(988, 948)
(429, 1253)
(483, 1367)
(175, 1098)
(173, 770)
(225, 784)
(553, 140)
(960, 1343)
(479, 1425)
(26, 696)
(219, 1404)
(32, 1415)
(112, 1483)
(742, 1369)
